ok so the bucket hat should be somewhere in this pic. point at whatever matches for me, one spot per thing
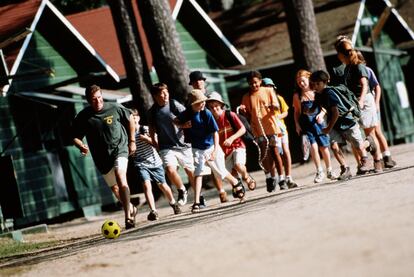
(215, 96)
(197, 96)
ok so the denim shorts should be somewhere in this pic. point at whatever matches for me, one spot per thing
(152, 174)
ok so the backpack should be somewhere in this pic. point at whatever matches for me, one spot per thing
(246, 137)
(348, 103)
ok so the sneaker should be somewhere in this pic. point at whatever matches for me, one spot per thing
(319, 176)
(283, 185)
(182, 197)
(176, 208)
(223, 197)
(365, 167)
(291, 184)
(331, 175)
(203, 202)
(372, 148)
(345, 174)
(389, 162)
(270, 184)
(378, 166)
(153, 215)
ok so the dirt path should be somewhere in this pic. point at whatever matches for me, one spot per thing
(363, 227)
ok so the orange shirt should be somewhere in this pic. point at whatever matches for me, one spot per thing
(257, 104)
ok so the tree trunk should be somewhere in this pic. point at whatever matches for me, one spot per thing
(304, 35)
(167, 53)
(130, 44)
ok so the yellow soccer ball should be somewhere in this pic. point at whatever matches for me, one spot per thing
(111, 229)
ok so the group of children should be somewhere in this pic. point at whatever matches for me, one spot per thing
(203, 133)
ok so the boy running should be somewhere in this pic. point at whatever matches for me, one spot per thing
(170, 139)
(205, 144)
(340, 128)
(259, 106)
(230, 139)
(148, 165)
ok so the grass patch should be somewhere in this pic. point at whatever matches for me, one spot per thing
(9, 247)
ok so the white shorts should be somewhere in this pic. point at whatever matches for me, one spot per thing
(285, 138)
(238, 156)
(120, 163)
(369, 116)
(176, 157)
(353, 135)
(201, 161)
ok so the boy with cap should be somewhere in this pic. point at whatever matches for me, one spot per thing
(205, 144)
(281, 113)
(230, 131)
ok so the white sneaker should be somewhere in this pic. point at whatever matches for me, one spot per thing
(182, 197)
(331, 175)
(320, 175)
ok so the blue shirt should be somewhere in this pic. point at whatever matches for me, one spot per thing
(203, 126)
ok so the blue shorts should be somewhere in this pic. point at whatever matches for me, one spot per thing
(152, 174)
(320, 139)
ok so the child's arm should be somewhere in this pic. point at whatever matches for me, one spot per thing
(229, 141)
(334, 118)
(297, 112)
(216, 146)
(154, 138)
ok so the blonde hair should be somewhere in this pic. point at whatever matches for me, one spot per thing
(303, 73)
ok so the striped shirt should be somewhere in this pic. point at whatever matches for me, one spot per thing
(145, 155)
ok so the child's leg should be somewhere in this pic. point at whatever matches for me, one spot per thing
(287, 159)
(149, 196)
(198, 183)
(315, 156)
(326, 157)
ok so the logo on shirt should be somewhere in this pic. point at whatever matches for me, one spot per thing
(109, 119)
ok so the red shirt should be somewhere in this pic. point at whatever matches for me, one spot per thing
(226, 131)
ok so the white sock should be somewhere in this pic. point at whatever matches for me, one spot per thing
(288, 178)
(329, 169)
(386, 153)
(281, 177)
(268, 175)
(172, 202)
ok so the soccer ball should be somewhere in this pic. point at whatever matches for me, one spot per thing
(111, 229)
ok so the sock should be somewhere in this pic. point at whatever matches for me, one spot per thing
(320, 169)
(288, 178)
(183, 188)
(172, 202)
(386, 153)
(281, 178)
(268, 175)
(329, 169)
(222, 190)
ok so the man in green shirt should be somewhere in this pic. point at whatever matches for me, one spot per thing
(109, 129)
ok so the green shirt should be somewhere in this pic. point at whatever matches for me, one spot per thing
(106, 132)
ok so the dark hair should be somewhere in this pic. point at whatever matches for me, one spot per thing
(320, 76)
(253, 74)
(134, 111)
(158, 87)
(90, 90)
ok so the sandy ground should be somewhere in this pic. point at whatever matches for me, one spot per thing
(363, 227)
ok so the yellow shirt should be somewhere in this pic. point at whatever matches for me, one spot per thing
(283, 108)
(257, 108)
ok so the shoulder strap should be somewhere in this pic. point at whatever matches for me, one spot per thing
(230, 119)
(173, 107)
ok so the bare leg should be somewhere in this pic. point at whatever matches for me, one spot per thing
(123, 192)
(287, 159)
(149, 196)
(315, 155)
(174, 177)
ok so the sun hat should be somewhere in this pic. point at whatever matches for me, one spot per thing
(197, 96)
(215, 96)
(195, 76)
(268, 82)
